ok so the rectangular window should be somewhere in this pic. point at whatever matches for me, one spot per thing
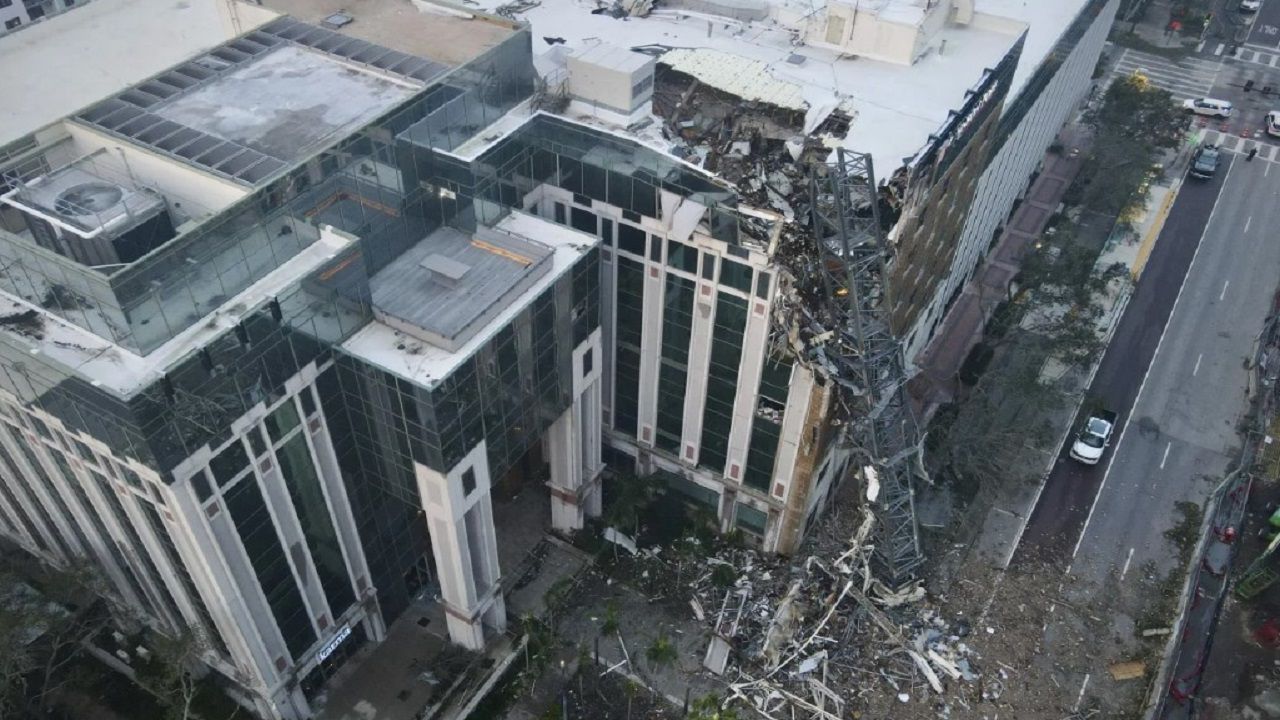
(750, 519)
(200, 484)
(559, 213)
(606, 231)
(766, 427)
(673, 370)
(256, 443)
(308, 498)
(722, 380)
(138, 549)
(188, 585)
(631, 239)
(84, 452)
(735, 275)
(130, 477)
(682, 257)
(708, 266)
(627, 357)
(282, 421)
(655, 248)
(587, 362)
(762, 285)
(468, 481)
(266, 555)
(308, 402)
(229, 463)
(583, 220)
(11, 24)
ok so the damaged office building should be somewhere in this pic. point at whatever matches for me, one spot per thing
(284, 375)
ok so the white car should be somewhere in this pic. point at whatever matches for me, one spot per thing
(1208, 106)
(1250, 5)
(1273, 123)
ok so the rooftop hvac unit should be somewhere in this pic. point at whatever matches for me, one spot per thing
(77, 212)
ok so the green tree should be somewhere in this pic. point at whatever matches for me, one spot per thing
(662, 651)
(46, 617)
(709, 707)
(1133, 123)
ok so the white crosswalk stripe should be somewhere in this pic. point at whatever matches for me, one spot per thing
(1186, 78)
(1257, 57)
(1237, 144)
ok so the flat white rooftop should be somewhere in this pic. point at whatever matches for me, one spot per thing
(1046, 21)
(426, 364)
(894, 107)
(73, 59)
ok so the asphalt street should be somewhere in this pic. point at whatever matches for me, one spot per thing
(1059, 515)
(1266, 26)
(1182, 431)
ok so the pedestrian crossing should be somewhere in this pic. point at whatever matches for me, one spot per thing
(1184, 78)
(1237, 144)
(1258, 57)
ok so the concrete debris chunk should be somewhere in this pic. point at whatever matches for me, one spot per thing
(807, 637)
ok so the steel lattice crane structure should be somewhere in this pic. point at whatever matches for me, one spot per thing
(865, 355)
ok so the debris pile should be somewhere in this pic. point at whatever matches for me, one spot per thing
(808, 639)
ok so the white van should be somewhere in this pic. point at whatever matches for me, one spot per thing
(1208, 106)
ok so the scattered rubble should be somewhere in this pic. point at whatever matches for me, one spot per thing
(27, 322)
(816, 636)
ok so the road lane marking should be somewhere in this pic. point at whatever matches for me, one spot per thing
(1223, 294)
(1247, 223)
(1080, 697)
(1220, 48)
(1165, 459)
(1127, 560)
(1267, 170)
(1196, 369)
(1146, 375)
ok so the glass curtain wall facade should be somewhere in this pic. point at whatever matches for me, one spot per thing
(673, 373)
(722, 380)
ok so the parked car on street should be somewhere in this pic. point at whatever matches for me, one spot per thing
(1209, 106)
(1273, 123)
(1094, 437)
(1205, 162)
(1250, 5)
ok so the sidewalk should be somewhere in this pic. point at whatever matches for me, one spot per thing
(1001, 527)
(940, 362)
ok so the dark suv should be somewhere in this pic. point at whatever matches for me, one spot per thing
(1205, 162)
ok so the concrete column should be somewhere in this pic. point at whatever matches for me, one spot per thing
(793, 427)
(573, 444)
(650, 350)
(465, 546)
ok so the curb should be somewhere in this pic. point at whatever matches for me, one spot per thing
(1153, 232)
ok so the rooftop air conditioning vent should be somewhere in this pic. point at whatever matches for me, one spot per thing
(443, 270)
(88, 198)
